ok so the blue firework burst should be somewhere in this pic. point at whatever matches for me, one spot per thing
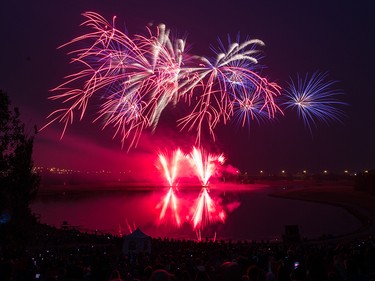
(316, 99)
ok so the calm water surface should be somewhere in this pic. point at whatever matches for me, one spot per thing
(251, 213)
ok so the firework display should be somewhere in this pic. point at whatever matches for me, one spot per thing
(315, 99)
(206, 211)
(170, 166)
(134, 79)
(137, 78)
(204, 165)
(170, 202)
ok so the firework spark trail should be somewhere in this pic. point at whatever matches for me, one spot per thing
(216, 92)
(170, 168)
(170, 201)
(129, 226)
(249, 108)
(206, 211)
(119, 231)
(205, 164)
(219, 86)
(139, 77)
(315, 100)
(146, 68)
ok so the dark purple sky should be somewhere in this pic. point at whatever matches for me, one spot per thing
(300, 37)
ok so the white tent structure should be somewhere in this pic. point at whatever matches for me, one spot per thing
(136, 242)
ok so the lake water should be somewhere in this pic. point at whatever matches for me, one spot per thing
(251, 213)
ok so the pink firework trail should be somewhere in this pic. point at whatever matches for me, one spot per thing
(205, 164)
(170, 201)
(170, 166)
(138, 77)
(206, 211)
(170, 169)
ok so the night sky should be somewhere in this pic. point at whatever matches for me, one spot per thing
(300, 37)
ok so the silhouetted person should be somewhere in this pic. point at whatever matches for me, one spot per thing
(253, 273)
(283, 273)
(202, 276)
(115, 276)
(353, 272)
(315, 267)
(230, 271)
(298, 274)
(147, 273)
(333, 276)
(160, 275)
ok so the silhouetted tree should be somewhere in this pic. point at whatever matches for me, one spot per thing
(18, 182)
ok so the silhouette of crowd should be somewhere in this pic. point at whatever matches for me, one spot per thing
(56, 254)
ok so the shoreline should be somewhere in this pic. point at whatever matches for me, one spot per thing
(358, 203)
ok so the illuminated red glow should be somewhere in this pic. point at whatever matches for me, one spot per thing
(170, 167)
(204, 165)
(206, 211)
(130, 229)
(170, 201)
